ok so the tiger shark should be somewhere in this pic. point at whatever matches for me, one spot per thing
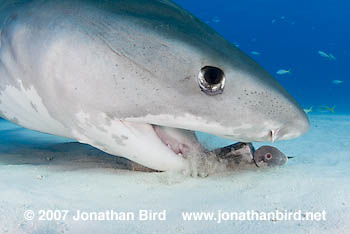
(135, 78)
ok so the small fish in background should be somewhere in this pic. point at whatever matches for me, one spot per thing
(337, 82)
(236, 44)
(283, 72)
(325, 55)
(273, 21)
(283, 17)
(255, 53)
(328, 109)
(308, 110)
(216, 19)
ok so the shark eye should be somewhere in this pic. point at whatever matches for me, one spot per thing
(211, 80)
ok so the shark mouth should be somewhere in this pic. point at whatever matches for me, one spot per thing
(180, 141)
(184, 145)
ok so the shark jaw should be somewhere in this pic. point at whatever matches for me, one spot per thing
(162, 144)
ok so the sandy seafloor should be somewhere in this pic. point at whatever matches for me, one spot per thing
(38, 171)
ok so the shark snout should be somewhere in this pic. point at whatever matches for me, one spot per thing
(292, 128)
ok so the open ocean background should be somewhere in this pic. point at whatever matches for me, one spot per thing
(288, 35)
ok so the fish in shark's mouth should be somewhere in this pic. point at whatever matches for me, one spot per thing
(232, 157)
(135, 79)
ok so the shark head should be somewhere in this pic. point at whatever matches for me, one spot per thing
(181, 76)
(204, 83)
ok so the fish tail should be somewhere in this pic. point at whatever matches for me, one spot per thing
(332, 109)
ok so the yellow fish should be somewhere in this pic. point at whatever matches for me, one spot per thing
(327, 108)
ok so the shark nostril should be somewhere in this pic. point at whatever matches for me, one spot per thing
(273, 135)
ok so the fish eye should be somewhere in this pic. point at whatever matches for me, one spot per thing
(268, 156)
(211, 80)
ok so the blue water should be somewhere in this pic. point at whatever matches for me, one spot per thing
(300, 29)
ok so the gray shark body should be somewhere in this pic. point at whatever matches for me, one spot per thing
(135, 79)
